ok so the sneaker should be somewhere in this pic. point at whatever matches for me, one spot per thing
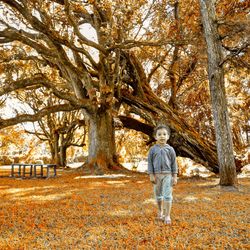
(160, 217)
(167, 221)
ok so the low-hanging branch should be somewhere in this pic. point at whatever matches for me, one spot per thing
(35, 117)
(8, 87)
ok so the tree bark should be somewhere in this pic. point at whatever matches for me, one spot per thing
(56, 148)
(171, 74)
(101, 142)
(63, 155)
(224, 141)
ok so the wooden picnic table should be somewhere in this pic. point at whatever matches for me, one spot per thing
(22, 169)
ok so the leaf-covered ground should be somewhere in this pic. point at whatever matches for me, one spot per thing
(69, 212)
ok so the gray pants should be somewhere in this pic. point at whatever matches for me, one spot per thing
(163, 187)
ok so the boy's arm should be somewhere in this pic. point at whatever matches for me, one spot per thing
(151, 167)
(152, 178)
(174, 179)
(174, 168)
(150, 162)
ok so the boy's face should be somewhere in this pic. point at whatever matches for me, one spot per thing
(162, 136)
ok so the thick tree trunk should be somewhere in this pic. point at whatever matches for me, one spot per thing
(187, 142)
(218, 95)
(101, 139)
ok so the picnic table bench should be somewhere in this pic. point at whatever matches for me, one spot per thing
(22, 170)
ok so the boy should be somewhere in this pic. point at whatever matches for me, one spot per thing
(162, 169)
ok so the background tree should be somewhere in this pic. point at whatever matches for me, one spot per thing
(58, 129)
(52, 44)
(233, 28)
(58, 43)
(218, 96)
(129, 151)
(11, 145)
(178, 70)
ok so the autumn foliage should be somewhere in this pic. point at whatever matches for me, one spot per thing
(139, 59)
(70, 212)
(109, 68)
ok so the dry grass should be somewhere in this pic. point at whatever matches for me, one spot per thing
(75, 213)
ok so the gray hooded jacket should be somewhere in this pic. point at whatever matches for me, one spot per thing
(162, 160)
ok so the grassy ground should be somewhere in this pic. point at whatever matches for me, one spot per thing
(70, 212)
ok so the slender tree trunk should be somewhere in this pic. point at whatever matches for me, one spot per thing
(56, 149)
(172, 77)
(224, 141)
(52, 152)
(101, 148)
(63, 155)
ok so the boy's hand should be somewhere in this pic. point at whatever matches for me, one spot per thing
(174, 180)
(152, 178)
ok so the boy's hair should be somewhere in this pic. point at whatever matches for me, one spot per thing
(162, 126)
